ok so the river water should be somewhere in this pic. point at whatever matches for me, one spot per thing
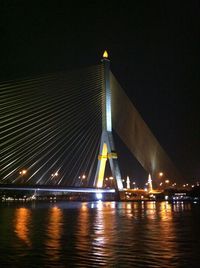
(100, 234)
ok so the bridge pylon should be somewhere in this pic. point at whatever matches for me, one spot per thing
(107, 149)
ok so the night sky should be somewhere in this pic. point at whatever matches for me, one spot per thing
(154, 52)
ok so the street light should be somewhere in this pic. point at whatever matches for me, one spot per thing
(83, 177)
(23, 173)
(55, 174)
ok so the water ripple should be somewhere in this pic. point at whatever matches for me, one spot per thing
(97, 234)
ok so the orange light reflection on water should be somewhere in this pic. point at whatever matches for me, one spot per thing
(22, 223)
(83, 228)
(167, 232)
(54, 232)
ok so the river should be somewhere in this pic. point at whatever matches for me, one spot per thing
(99, 234)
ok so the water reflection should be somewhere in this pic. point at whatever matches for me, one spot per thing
(165, 211)
(96, 233)
(108, 234)
(180, 206)
(54, 232)
(151, 210)
(82, 231)
(22, 224)
(84, 221)
(104, 235)
(166, 233)
(156, 239)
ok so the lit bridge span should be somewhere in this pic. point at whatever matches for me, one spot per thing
(45, 188)
(57, 130)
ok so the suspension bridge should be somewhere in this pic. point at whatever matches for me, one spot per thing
(57, 131)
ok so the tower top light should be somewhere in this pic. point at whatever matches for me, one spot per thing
(105, 55)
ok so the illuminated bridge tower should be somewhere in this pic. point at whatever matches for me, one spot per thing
(107, 147)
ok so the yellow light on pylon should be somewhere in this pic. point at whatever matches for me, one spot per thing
(112, 155)
(103, 159)
(105, 54)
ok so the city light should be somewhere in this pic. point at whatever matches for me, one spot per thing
(55, 174)
(23, 172)
(161, 174)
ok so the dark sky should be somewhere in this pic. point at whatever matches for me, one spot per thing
(154, 52)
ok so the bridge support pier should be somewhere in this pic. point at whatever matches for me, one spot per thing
(107, 148)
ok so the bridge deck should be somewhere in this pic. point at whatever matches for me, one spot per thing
(55, 189)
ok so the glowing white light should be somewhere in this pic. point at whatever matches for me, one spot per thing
(128, 182)
(99, 196)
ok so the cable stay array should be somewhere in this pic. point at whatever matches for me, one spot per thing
(50, 128)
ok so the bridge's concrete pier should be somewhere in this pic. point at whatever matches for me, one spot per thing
(107, 148)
